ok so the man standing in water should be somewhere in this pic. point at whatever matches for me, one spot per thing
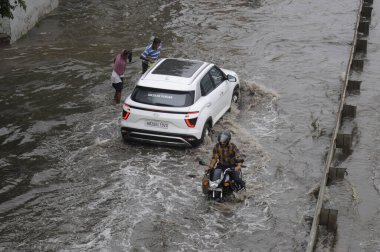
(151, 54)
(117, 77)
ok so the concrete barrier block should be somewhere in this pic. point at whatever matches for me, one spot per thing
(332, 222)
(337, 173)
(366, 12)
(344, 142)
(361, 46)
(364, 27)
(357, 64)
(353, 85)
(323, 217)
(349, 111)
(328, 218)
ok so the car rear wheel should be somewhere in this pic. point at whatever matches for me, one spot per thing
(124, 136)
(205, 132)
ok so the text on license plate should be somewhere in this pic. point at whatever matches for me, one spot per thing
(157, 124)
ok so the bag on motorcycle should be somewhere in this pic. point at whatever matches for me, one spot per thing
(205, 184)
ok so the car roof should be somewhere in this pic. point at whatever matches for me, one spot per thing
(177, 67)
(173, 74)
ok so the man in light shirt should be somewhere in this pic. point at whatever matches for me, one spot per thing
(151, 54)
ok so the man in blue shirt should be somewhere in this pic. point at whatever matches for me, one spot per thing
(151, 54)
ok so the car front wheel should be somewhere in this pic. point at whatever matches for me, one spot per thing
(235, 97)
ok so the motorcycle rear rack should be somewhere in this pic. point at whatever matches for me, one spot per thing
(216, 189)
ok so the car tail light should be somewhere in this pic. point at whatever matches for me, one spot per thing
(126, 111)
(191, 119)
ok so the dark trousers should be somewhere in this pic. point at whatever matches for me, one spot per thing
(236, 177)
(118, 88)
(144, 67)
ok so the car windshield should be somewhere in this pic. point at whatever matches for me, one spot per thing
(162, 97)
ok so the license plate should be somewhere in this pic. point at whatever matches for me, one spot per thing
(157, 124)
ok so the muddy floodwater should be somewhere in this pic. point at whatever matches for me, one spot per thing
(69, 183)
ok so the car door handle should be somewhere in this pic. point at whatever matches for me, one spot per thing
(221, 93)
(208, 104)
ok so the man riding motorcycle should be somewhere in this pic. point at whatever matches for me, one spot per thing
(225, 155)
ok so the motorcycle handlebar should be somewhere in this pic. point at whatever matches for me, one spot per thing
(239, 160)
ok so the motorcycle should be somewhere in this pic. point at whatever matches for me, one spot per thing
(220, 185)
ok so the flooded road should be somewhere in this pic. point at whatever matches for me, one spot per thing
(69, 183)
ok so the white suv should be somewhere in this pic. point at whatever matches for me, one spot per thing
(177, 101)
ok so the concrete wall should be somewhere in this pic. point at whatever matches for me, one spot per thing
(23, 21)
(5, 26)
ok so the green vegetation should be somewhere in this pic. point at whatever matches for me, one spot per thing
(6, 7)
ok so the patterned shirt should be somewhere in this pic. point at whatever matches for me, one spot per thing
(224, 155)
(149, 52)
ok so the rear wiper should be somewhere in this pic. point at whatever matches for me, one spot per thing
(163, 104)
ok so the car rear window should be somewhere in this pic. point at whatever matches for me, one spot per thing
(180, 68)
(162, 97)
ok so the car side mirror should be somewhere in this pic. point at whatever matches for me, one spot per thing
(231, 78)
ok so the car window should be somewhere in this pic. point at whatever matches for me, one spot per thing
(176, 67)
(163, 97)
(217, 75)
(206, 85)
